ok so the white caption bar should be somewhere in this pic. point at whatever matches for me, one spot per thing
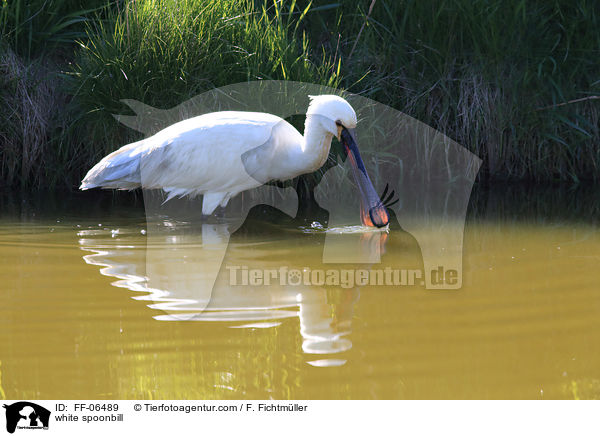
(300, 417)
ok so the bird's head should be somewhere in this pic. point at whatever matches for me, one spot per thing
(335, 113)
(338, 118)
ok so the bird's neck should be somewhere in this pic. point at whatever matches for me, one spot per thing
(317, 142)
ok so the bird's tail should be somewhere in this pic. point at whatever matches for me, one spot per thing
(118, 170)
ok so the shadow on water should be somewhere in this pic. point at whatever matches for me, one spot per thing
(535, 203)
(41, 207)
(503, 202)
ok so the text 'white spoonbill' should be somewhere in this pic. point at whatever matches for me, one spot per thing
(221, 154)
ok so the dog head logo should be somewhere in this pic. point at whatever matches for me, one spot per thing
(26, 415)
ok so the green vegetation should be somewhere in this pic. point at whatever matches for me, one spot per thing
(36, 42)
(490, 74)
(513, 81)
(164, 52)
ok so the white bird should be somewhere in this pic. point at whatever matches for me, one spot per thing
(221, 154)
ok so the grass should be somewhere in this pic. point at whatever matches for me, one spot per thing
(488, 73)
(35, 38)
(513, 81)
(162, 52)
(27, 103)
(36, 27)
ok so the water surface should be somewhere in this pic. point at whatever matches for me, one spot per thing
(93, 306)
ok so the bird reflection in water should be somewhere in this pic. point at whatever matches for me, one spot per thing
(180, 273)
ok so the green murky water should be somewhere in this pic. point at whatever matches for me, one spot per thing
(96, 304)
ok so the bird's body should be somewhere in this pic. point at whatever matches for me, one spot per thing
(221, 154)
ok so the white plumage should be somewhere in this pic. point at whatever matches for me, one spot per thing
(221, 154)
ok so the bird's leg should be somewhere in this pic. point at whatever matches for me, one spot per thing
(220, 212)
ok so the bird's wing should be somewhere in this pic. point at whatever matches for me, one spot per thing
(204, 154)
(271, 160)
(119, 170)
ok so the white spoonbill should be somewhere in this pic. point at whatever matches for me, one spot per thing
(221, 154)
